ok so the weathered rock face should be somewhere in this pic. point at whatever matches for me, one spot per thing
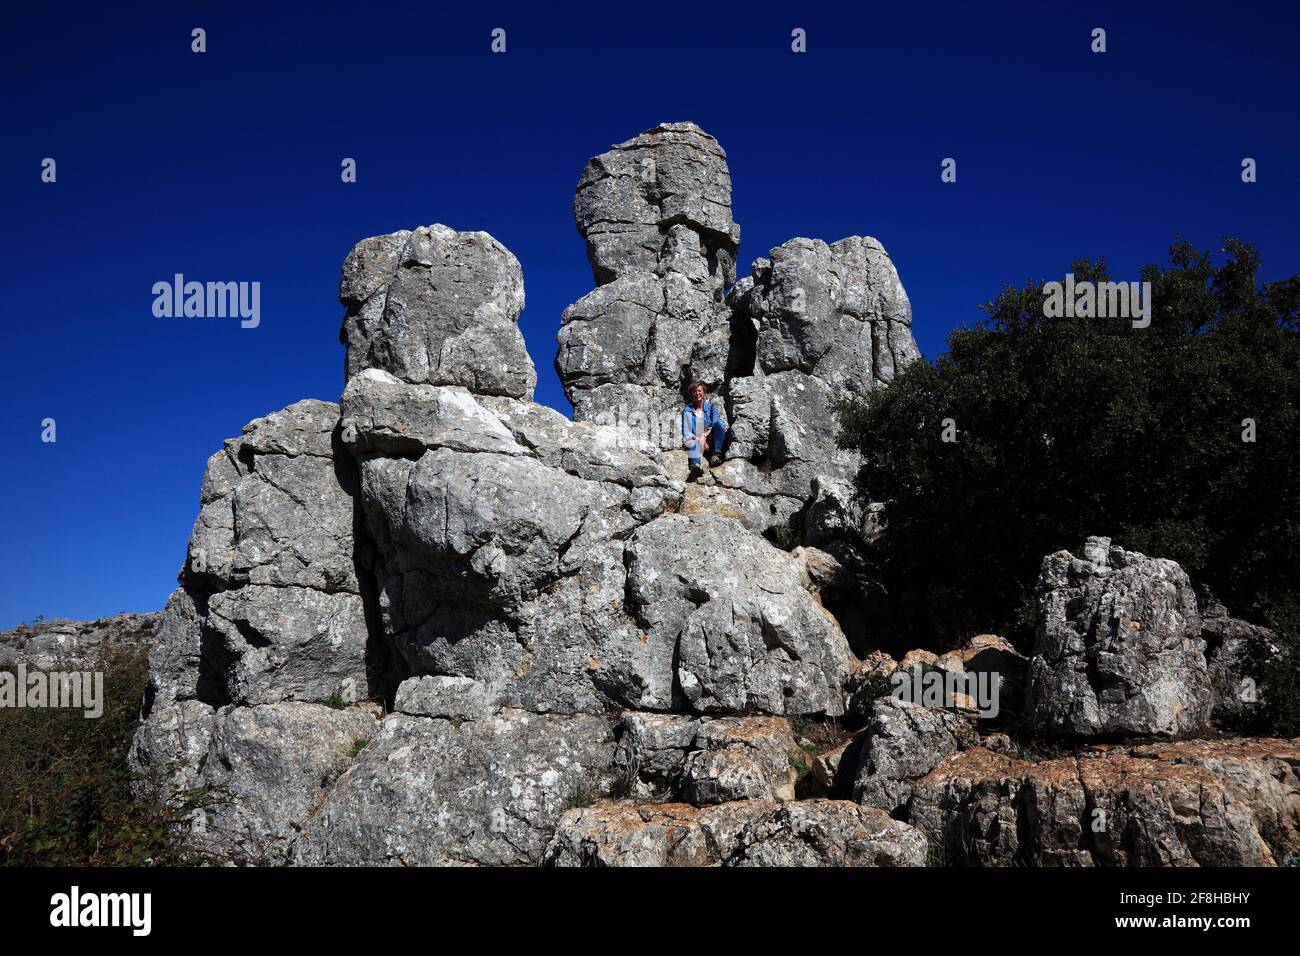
(748, 833)
(272, 597)
(656, 214)
(437, 307)
(517, 556)
(430, 792)
(1192, 803)
(1234, 652)
(745, 631)
(1119, 647)
(832, 322)
(674, 174)
(441, 624)
(269, 612)
(902, 743)
(53, 644)
(269, 766)
(705, 760)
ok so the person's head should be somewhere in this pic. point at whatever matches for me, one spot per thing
(695, 392)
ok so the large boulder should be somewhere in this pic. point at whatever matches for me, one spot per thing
(438, 307)
(433, 792)
(1119, 647)
(739, 628)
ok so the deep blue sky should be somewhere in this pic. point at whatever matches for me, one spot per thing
(226, 166)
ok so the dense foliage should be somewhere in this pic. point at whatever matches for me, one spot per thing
(1068, 427)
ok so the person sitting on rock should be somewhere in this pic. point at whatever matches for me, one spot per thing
(702, 427)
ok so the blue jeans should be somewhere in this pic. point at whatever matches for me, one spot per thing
(716, 439)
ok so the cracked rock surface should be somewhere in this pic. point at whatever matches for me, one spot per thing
(439, 623)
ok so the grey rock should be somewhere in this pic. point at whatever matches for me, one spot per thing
(705, 760)
(438, 307)
(1235, 652)
(744, 833)
(630, 196)
(429, 792)
(902, 743)
(740, 758)
(288, 643)
(1119, 647)
(1228, 802)
(748, 635)
(169, 749)
(835, 512)
(269, 609)
(461, 698)
(656, 214)
(493, 526)
(832, 322)
(268, 767)
(61, 643)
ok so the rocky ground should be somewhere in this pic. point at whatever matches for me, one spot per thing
(438, 623)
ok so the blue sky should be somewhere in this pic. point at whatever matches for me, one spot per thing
(225, 166)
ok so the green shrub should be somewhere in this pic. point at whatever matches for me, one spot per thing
(1077, 427)
(65, 790)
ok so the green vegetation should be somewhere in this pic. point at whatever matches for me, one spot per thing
(1075, 427)
(65, 796)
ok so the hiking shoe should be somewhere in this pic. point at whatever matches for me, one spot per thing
(715, 461)
(696, 472)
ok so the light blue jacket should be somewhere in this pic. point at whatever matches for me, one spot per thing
(711, 420)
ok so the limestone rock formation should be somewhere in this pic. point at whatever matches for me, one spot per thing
(655, 212)
(814, 322)
(1119, 647)
(439, 623)
(437, 307)
(57, 643)
(748, 833)
(832, 322)
(1232, 802)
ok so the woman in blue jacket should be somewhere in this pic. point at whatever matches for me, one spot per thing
(702, 427)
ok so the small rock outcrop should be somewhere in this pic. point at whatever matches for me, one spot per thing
(437, 307)
(56, 643)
